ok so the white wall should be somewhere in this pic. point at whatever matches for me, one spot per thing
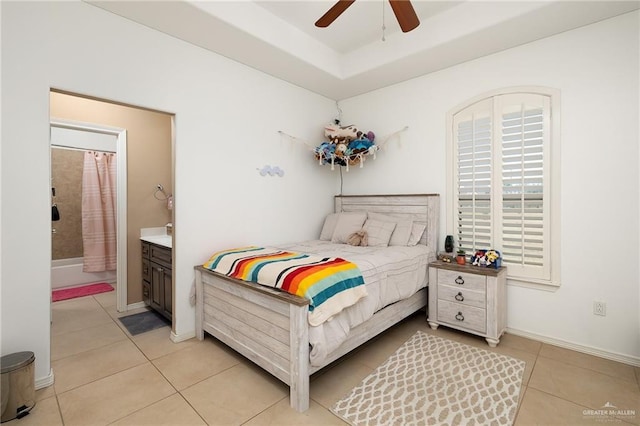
(227, 118)
(596, 70)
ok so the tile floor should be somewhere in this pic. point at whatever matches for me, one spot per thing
(104, 376)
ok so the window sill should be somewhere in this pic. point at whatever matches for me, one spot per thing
(536, 284)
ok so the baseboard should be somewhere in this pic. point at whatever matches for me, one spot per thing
(626, 359)
(45, 381)
(177, 338)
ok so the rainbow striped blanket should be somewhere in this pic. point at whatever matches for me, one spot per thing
(329, 283)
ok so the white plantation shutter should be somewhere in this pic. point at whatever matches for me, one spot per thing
(502, 186)
(473, 158)
(524, 120)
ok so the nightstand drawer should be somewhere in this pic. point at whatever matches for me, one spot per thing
(459, 315)
(462, 280)
(463, 296)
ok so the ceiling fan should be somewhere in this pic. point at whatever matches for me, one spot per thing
(405, 14)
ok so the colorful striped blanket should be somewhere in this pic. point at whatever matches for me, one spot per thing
(329, 283)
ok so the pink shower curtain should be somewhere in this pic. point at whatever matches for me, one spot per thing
(99, 212)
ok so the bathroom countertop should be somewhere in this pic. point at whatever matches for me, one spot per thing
(157, 236)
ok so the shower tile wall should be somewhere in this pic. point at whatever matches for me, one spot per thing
(66, 172)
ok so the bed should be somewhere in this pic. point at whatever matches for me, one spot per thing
(271, 327)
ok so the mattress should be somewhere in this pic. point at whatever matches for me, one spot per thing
(390, 274)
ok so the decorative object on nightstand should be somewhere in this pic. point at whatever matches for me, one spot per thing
(461, 257)
(468, 298)
(488, 258)
(448, 244)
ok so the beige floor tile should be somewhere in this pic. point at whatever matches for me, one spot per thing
(107, 299)
(523, 391)
(45, 413)
(373, 353)
(157, 343)
(235, 395)
(584, 387)
(329, 386)
(75, 342)
(539, 408)
(637, 374)
(196, 362)
(114, 397)
(601, 365)
(170, 411)
(45, 393)
(77, 314)
(281, 414)
(520, 343)
(85, 367)
(407, 327)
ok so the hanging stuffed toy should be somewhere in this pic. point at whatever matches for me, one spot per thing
(345, 146)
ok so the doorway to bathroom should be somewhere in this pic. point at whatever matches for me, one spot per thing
(144, 156)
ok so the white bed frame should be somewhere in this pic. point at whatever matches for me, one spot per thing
(270, 327)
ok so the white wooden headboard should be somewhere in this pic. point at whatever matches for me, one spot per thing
(421, 208)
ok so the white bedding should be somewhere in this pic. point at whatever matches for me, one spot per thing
(390, 274)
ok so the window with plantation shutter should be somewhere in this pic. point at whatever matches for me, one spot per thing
(501, 181)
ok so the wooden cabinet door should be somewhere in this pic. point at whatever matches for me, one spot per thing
(157, 287)
(168, 297)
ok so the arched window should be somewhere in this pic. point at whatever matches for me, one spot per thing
(504, 188)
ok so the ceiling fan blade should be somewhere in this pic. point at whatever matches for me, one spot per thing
(333, 13)
(405, 14)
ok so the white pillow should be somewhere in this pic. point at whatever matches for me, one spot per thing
(401, 233)
(329, 226)
(347, 224)
(378, 232)
(417, 230)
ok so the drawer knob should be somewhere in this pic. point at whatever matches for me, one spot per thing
(459, 280)
(460, 317)
(459, 297)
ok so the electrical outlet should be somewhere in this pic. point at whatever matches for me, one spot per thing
(599, 308)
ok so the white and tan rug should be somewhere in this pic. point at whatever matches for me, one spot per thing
(434, 381)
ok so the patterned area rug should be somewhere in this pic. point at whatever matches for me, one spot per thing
(430, 380)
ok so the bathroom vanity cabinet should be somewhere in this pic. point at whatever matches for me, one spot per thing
(156, 278)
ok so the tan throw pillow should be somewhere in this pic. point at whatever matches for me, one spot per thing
(379, 233)
(401, 233)
(417, 230)
(348, 223)
(329, 226)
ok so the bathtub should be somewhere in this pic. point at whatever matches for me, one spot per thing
(68, 273)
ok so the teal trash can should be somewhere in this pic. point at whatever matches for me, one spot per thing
(17, 388)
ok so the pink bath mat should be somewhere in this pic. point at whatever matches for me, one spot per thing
(85, 290)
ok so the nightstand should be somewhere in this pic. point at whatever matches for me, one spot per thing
(468, 298)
